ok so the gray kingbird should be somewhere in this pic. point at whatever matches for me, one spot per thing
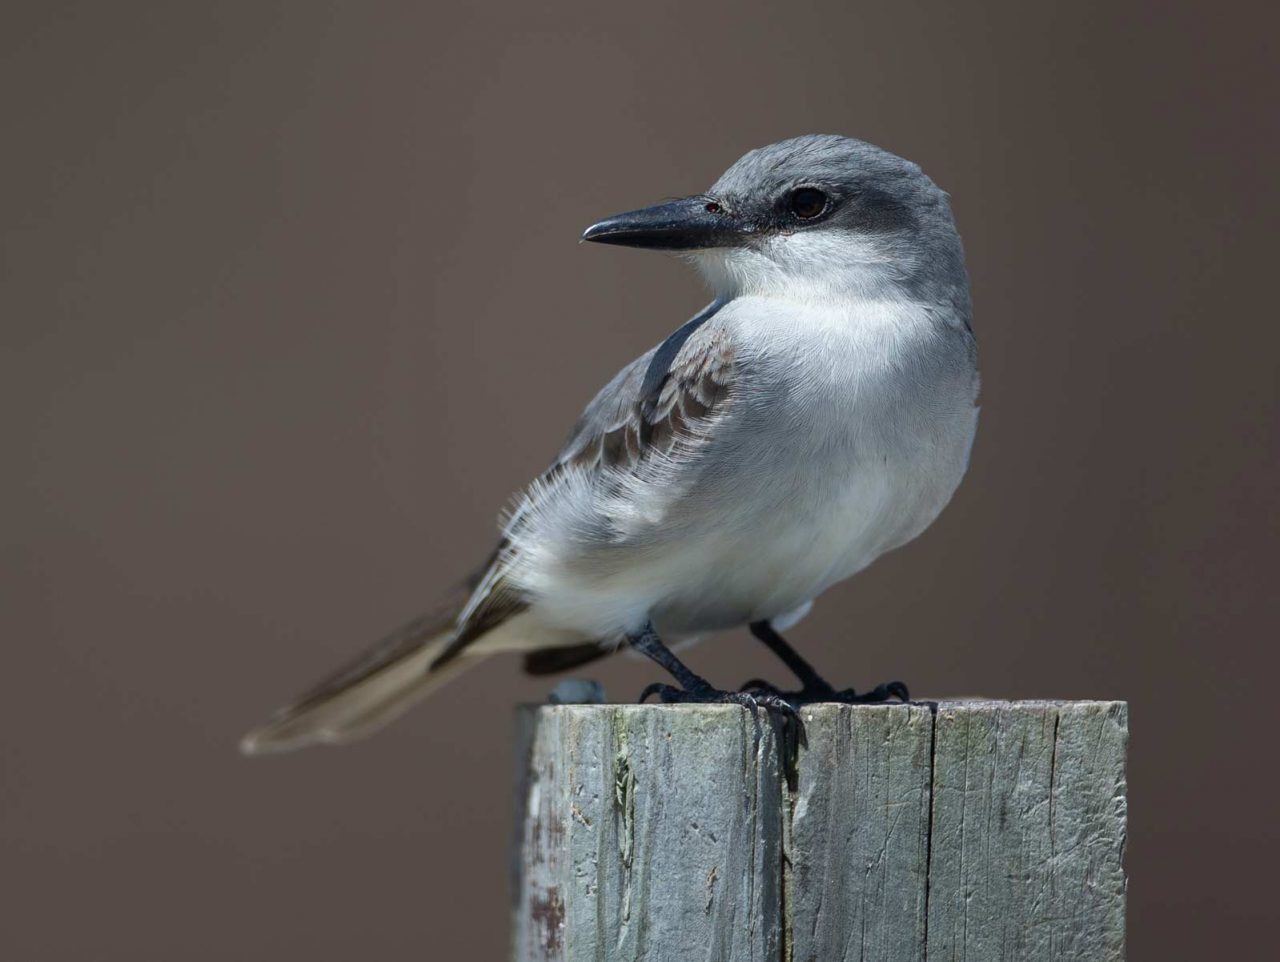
(816, 414)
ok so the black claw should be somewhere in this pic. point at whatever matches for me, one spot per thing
(813, 687)
(788, 725)
(877, 695)
(758, 698)
(651, 690)
(821, 694)
(785, 716)
(783, 707)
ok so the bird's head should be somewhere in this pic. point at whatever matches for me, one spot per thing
(814, 217)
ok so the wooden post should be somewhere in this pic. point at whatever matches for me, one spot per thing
(976, 830)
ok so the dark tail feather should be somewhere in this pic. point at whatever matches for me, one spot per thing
(366, 694)
(549, 661)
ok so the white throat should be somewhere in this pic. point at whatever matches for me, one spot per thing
(821, 266)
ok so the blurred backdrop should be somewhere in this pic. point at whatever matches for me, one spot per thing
(292, 302)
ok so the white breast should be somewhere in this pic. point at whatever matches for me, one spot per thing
(857, 433)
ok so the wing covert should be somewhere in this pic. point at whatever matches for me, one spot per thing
(666, 394)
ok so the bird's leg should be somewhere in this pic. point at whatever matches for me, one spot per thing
(694, 689)
(648, 643)
(810, 681)
(813, 687)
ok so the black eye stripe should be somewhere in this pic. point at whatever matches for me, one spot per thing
(807, 202)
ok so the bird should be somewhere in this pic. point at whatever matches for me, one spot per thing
(817, 413)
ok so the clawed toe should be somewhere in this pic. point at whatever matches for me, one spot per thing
(898, 690)
(759, 685)
(879, 694)
(876, 696)
(786, 716)
(666, 693)
(824, 694)
(752, 696)
(783, 711)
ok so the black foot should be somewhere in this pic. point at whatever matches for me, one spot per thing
(760, 685)
(813, 688)
(759, 698)
(881, 693)
(784, 715)
(694, 689)
(822, 692)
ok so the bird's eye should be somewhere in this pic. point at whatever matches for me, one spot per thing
(808, 202)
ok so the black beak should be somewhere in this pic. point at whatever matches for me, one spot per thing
(693, 223)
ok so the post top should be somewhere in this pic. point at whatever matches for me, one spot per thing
(968, 704)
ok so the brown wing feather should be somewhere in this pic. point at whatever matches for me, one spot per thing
(550, 661)
(629, 421)
(693, 389)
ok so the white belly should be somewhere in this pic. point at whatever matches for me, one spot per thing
(792, 553)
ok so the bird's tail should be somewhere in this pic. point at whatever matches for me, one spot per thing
(366, 694)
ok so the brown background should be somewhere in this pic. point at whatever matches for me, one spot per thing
(292, 302)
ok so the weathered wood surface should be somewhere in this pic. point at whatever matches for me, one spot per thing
(976, 831)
